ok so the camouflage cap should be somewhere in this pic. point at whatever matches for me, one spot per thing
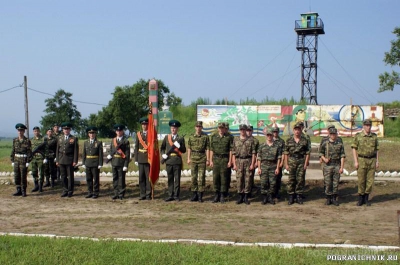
(275, 129)
(269, 131)
(250, 127)
(300, 123)
(199, 124)
(297, 125)
(221, 125)
(332, 131)
(367, 122)
(20, 126)
(243, 127)
(330, 126)
(226, 125)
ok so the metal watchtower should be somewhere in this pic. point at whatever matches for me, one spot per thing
(308, 29)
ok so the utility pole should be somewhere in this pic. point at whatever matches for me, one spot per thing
(26, 105)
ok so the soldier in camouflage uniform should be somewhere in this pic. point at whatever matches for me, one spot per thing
(50, 169)
(198, 158)
(21, 155)
(297, 154)
(303, 133)
(243, 157)
(249, 133)
(269, 158)
(220, 160)
(281, 143)
(229, 169)
(332, 154)
(40, 153)
(365, 153)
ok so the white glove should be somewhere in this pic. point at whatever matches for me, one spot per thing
(124, 169)
(12, 164)
(27, 164)
(55, 159)
(177, 144)
(45, 161)
(83, 166)
(136, 163)
(109, 157)
(99, 167)
(164, 156)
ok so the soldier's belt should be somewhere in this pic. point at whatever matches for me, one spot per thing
(38, 154)
(243, 157)
(173, 154)
(198, 152)
(92, 156)
(269, 161)
(333, 162)
(297, 156)
(20, 155)
(220, 156)
(117, 156)
(143, 150)
(369, 157)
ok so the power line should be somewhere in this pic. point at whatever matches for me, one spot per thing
(21, 85)
(276, 89)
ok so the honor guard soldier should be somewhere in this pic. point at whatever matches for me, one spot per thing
(141, 160)
(120, 156)
(67, 158)
(269, 158)
(39, 159)
(365, 153)
(50, 169)
(220, 159)
(172, 148)
(21, 155)
(243, 157)
(198, 159)
(297, 155)
(332, 154)
(249, 133)
(281, 143)
(92, 161)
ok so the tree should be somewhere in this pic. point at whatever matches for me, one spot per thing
(61, 109)
(387, 81)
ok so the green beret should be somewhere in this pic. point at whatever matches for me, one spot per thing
(199, 124)
(144, 120)
(243, 127)
(20, 126)
(66, 125)
(36, 128)
(91, 129)
(119, 127)
(367, 122)
(174, 123)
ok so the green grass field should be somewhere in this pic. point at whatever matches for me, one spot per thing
(38, 250)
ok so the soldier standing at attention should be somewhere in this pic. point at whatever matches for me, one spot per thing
(249, 133)
(229, 169)
(92, 161)
(198, 158)
(303, 133)
(172, 148)
(40, 153)
(21, 155)
(141, 160)
(365, 153)
(50, 169)
(281, 143)
(297, 154)
(67, 158)
(220, 160)
(243, 157)
(269, 161)
(120, 156)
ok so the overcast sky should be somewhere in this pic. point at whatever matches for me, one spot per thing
(214, 49)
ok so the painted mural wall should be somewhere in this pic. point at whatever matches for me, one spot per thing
(346, 118)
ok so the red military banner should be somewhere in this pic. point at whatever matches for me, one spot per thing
(153, 152)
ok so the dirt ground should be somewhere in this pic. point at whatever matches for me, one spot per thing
(312, 222)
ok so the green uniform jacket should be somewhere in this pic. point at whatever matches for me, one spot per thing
(333, 150)
(43, 152)
(174, 158)
(221, 145)
(23, 147)
(297, 149)
(67, 150)
(141, 155)
(117, 160)
(366, 145)
(198, 145)
(92, 155)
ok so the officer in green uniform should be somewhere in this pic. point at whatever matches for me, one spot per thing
(198, 159)
(50, 169)
(281, 143)
(269, 160)
(243, 157)
(21, 155)
(40, 153)
(297, 155)
(332, 154)
(220, 159)
(92, 161)
(249, 133)
(172, 148)
(365, 153)
(67, 158)
(120, 156)
(141, 160)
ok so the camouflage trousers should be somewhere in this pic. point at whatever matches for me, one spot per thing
(331, 179)
(243, 175)
(198, 176)
(37, 168)
(366, 175)
(296, 176)
(20, 173)
(219, 174)
(268, 178)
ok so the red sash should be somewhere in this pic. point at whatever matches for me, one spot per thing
(172, 144)
(119, 151)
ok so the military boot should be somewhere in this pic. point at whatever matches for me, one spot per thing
(299, 199)
(265, 199)
(240, 198)
(52, 183)
(195, 197)
(271, 199)
(366, 200)
(36, 188)
(24, 192)
(335, 200)
(223, 196)
(246, 199)
(18, 193)
(291, 199)
(201, 197)
(47, 184)
(328, 200)
(216, 197)
(360, 200)
(41, 186)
